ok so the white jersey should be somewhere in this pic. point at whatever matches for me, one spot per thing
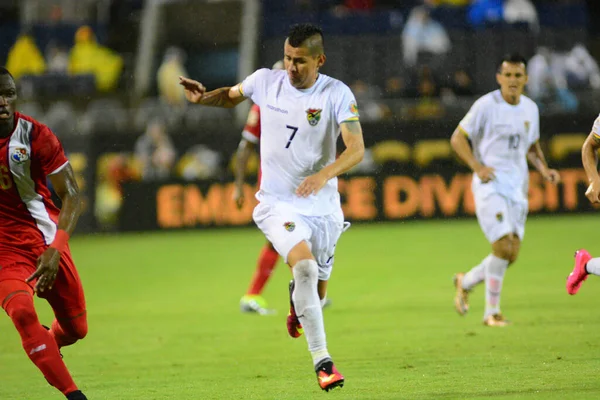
(596, 128)
(299, 131)
(501, 135)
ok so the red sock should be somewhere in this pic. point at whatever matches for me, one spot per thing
(266, 263)
(38, 343)
(74, 330)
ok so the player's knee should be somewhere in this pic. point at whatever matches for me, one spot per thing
(20, 309)
(77, 328)
(305, 270)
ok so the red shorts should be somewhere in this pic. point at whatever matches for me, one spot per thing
(66, 296)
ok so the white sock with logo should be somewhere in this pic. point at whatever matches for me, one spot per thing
(494, 276)
(308, 308)
(476, 275)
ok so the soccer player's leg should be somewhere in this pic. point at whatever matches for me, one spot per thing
(68, 303)
(584, 265)
(253, 301)
(502, 222)
(16, 298)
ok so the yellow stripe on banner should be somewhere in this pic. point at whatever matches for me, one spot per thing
(350, 119)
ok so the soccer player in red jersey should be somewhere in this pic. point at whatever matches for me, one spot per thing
(253, 301)
(34, 254)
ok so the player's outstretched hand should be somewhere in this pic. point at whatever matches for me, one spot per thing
(486, 174)
(311, 185)
(238, 196)
(194, 90)
(552, 176)
(47, 268)
(593, 192)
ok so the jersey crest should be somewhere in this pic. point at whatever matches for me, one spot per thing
(313, 115)
(19, 155)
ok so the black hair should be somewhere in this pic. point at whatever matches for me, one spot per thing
(4, 71)
(512, 58)
(300, 32)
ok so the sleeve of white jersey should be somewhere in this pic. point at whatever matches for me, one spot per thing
(473, 121)
(252, 86)
(346, 109)
(535, 129)
(596, 128)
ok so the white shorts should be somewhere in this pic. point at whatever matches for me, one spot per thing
(499, 216)
(285, 228)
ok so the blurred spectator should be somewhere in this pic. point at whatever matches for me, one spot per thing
(155, 152)
(368, 98)
(428, 104)
(423, 35)
(57, 58)
(395, 87)
(462, 84)
(485, 12)
(113, 170)
(581, 69)
(521, 11)
(199, 162)
(24, 58)
(168, 75)
(547, 81)
(88, 57)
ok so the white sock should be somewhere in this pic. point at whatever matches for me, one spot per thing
(494, 275)
(323, 301)
(593, 266)
(476, 275)
(308, 308)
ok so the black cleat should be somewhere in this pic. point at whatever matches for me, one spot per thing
(76, 395)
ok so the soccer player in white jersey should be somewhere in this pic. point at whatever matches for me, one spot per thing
(584, 263)
(299, 211)
(495, 139)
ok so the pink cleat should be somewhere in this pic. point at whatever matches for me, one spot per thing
(579, 274)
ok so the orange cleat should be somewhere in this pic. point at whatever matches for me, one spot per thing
(294, 326)
(328, 375)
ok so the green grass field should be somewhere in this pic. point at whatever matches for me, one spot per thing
(165, 324)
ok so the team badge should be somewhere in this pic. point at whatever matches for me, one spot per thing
(313, 115)
(354, 108)
(527, 125)
(19, 155)
(499, 217)
(289, 226)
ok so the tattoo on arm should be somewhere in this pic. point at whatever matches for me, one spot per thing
(217, 98)
(353, 127)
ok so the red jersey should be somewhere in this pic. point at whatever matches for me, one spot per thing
(251, 130)
(28, 217)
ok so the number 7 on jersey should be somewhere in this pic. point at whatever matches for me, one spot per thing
(294, 130)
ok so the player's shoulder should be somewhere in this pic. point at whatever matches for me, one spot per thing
(331, 83)
(36, 125)
(270, 75)
(529, 103)
(489, 99)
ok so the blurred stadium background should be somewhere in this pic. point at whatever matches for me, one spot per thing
(164, 321)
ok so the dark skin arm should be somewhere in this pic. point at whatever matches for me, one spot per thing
(245, 149)
(65, 185)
